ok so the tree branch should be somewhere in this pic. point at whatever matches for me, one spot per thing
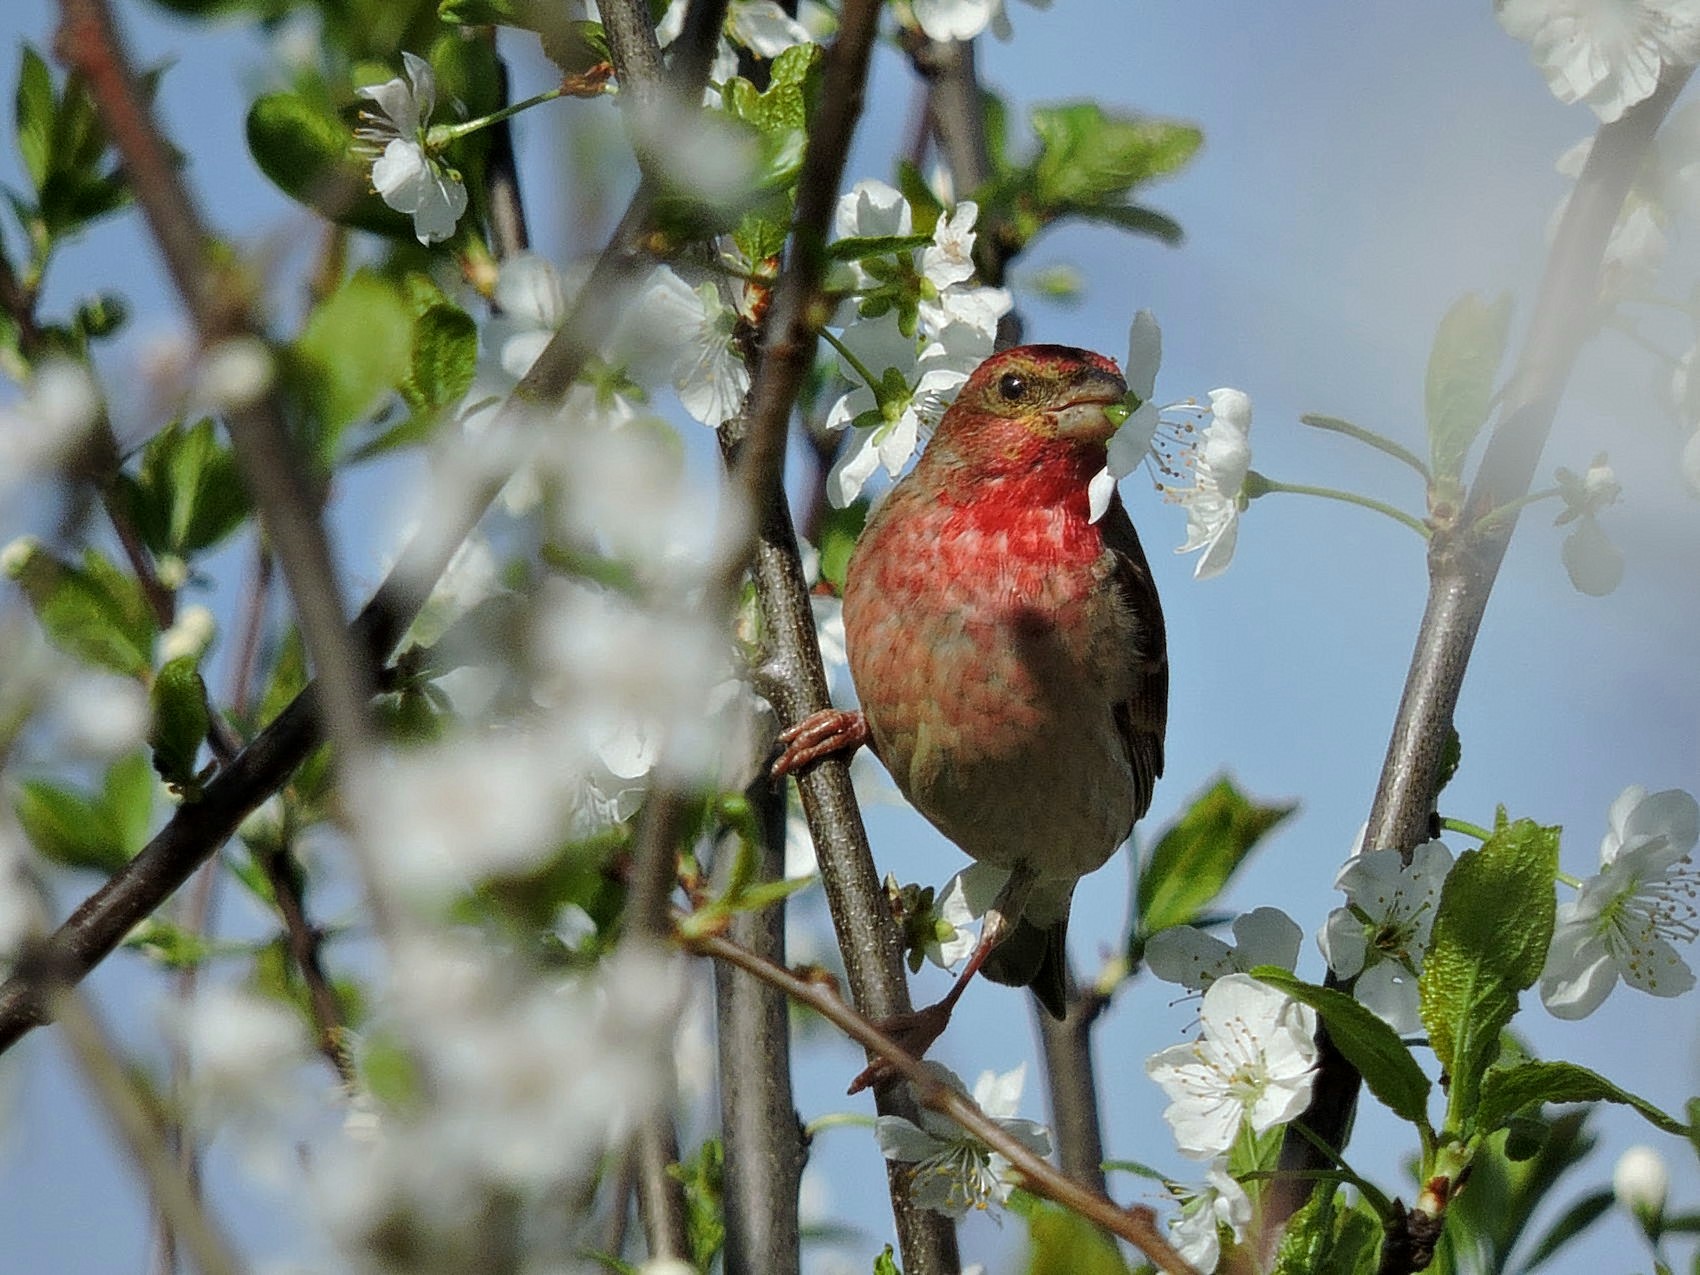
(1463, 565)
(765, 1151)
(1137, 1224)
(1072, 1084)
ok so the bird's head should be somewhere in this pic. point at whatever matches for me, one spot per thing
(1049, 394)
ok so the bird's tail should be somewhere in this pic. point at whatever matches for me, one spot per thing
(1034, 956)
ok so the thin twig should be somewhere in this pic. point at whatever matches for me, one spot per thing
(660, 1195)
(1463, 567)
(144, 1138)
(1136, 1224)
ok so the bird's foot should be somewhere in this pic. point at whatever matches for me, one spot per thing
(915, 1032)
(832, 730)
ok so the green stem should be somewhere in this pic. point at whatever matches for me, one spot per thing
(837, 1120)
(1493, 517)
(1468, 829)
(1268, 484)
(440, 135)
(1381, 444)
(1575, 883)
(856, 364)
(1371, 1193)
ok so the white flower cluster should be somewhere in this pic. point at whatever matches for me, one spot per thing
(406, 171)
(1607, 53)
(904, 380)
(965, 19)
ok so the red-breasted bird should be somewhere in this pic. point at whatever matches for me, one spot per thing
(1009, 654)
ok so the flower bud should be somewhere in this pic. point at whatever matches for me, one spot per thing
(1640, 1182)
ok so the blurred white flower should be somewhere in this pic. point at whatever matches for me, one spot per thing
(965, 19)
(1641, 1182)
(953, 1171)
(410, 179)
(100, 714)
(190, 634)
(1382, 934)
(40, 432)
(1253, 1063)
(22, 911)
(1626, 917)
(1187, 955)
(761, 26)
(232, 374)
(1197, 1228)
(1607, 53)
(533, 1080)
(243, 1053)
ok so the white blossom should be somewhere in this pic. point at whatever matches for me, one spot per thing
(243, 1052)
(233, 374)
(101, 715)
(1187, 955)
(190, 634)
(40, 432)
(963, 900)
(965, 19)
(1252, 1064)
(1626, 917)
(953, 1171)
(1197, 1229)
(409, 177)
(696, 326)
(1382, 934)
(1607, 53)
(1212, 503)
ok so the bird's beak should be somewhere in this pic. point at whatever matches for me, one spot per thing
(1083, 416)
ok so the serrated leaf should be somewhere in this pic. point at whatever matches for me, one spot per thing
(187, 495)
(94, 612)
(1491, 933)
(306, 154)
(874, 246)
(1369, 1044)
(1087, 155)
(1507, 1090)
(444, 358)
(1458, 389)
(367, 314)
(885, 1263)
(1196, 855)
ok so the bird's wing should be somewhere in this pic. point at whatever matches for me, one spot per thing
(1144, 715)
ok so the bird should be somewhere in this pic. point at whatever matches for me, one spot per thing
(1009, 656)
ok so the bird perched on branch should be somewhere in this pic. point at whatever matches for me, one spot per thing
(1009, 655)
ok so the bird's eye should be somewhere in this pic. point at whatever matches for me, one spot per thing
(1012, 386)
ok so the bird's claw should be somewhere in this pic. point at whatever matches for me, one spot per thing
(915, 1032)
(832, 730)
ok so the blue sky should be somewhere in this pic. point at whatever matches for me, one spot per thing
(1364, 164)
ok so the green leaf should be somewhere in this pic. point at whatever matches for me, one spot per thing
(1507, 1090)
(368, 315)
(67, 827)
(178, 699)
(36, 107)
(1061, 1242)
(305, 152)
(1571, 1223)
(704, 1180)
(444, 357)
(838, 531)
(1370, 1045)
(127, 796)
(100, 831)
(1135, 219)
(1458, 391)
(1196, 855)
(94, 612)
(886, 1263)
(1490, 939)
(1087, 156)
(187, 495)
